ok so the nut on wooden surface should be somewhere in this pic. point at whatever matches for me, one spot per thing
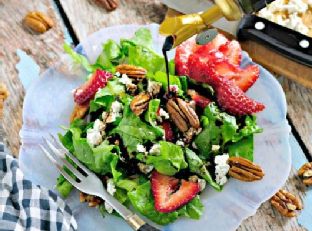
(131, 71)
(38, 21)
(139, 103)
(244, 170)
(286, 203)
(306, 173)
(109, 5)
(4, 93)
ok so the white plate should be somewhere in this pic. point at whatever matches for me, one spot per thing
(48, 104)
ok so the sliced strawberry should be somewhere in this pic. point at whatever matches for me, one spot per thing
(182, 54)
(248, 77)
(232, 99)
(243, 78)
(168, 131)
(233, 51)
(86, 92)
(169, 195)
(200, 100)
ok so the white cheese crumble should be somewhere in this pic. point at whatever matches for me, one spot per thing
(194, 145)
(180, 143)
(174, 88)
(117, 74)
(94, 137)
(125, 79)
(141, 148)
(153, 87)
(111, 188)
(221, 168)
(108, 208)
(155, 149)
(114, 112)
(145, 168)
(202, 184)
(215, 147)
(162, 115)
(99, 125)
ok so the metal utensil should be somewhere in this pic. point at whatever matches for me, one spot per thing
(87, 182)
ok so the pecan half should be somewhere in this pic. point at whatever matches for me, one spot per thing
(131, 71)
(139, 103)
(177, 115)
(182, 114)
(306, 173)
(78, 112)
(244, 170)
(38, 21)
(286, 203)
(92, 201)
(109, 5)
(4, 93)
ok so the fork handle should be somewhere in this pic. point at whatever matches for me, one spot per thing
(138, 224)
(147, 227)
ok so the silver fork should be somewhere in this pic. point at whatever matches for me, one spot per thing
(88, 182)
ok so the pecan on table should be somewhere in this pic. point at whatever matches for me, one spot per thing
(182, 114)
(306, 173)
(286, 203)
(139, 103)
(131, 71)
(4, 93)
(244, 170)
(92, 201)
(38, 21)
(109, 5)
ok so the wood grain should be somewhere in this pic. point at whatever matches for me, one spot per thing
(87, 17)
(44, 48)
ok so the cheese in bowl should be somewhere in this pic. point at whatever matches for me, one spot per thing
(293, 14)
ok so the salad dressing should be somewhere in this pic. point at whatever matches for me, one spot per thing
(168, 44)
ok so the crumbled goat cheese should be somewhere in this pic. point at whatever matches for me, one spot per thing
(155, 149)
(111, 188)
(99, 125)
(221, 168)
(180, 143)
(162, 115)
(140, 148)
(114, 112)
(153, 87)
(215, 148)
(117, 74)
(202, 184)
(94, 137)
(145, 168)
(125, 80)
(108, 208)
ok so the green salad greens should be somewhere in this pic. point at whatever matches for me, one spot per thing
(124, 148)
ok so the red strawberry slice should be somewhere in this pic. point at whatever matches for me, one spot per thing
(233, 51)
(189, 47)
(182, 54)
(168, 131)
(200, 100)
(232, 99)
(86, 92)
(169, 195)
(243, 78)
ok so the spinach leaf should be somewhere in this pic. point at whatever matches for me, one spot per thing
(243, 148)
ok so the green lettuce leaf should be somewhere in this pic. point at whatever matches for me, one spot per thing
(171, 159)
(196, 165)
(151, 115)
(63, 186)
(134, 131)
(162, 78)
(78, 58)
(194, 209)
(243, 148)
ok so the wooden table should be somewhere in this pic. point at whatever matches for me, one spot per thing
(23, 56)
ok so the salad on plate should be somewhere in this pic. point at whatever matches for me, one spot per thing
(156, 149)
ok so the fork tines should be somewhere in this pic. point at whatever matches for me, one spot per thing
(55, 151)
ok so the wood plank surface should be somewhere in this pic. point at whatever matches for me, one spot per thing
(87, 17)
(79, 13)
(43, 48)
